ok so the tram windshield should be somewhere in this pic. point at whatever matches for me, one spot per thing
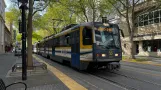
(107, 37)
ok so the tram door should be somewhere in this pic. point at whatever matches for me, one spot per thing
(75, 50)
(53, 51)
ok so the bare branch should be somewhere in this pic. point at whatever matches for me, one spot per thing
(117, 9)
(123, 4)
(136, 2)
(84, 10)
(40, 9)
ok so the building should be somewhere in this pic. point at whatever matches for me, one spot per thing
(7, 39)
(147, 33)
(2, 25)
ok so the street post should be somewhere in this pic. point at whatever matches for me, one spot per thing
(23, 8)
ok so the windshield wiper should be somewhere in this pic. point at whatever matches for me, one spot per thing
(103, 46)
(112, 46)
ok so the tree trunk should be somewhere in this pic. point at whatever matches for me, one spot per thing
(131, 56)
(132, 32)
(130, 29)
(93, 14)
(29, 36)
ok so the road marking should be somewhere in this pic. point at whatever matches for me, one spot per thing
(70, 83)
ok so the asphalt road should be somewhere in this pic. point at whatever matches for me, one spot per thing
(6, 62)
(131, 76)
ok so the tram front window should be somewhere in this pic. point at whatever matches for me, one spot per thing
(107, 37)
(87, 36)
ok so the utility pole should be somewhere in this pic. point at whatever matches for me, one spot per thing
(23, 8)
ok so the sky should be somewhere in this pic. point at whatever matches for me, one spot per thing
(8, 3)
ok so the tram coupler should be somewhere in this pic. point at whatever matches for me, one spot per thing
(113, 66)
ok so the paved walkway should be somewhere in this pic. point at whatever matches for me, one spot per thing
(153, 59)
(156, 61)
(46, 81)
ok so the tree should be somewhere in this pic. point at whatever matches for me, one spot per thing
(11, 18)
(56, 16)
(36, 36)
(127, 10)
(34, 7)
(85, 10)
(128, 13)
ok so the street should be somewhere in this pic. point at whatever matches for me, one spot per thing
(131, 76)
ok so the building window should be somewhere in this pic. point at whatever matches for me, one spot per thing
(152, 45)
(156, 17)
(141, 20)
(145, 19)
(148, 18)
(160, 15)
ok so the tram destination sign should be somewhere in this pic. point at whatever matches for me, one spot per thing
(105, 29)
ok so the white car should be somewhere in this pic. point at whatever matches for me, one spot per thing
(18, 52)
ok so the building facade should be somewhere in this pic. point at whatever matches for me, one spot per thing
(2, 25)
(147, 33)
(7, 39)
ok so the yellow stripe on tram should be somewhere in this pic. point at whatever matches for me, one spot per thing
(70, 83)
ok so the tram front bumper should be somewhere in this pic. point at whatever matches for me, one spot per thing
(108, 60)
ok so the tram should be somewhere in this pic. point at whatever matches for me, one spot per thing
(85, 46)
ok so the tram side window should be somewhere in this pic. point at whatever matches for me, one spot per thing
(87, 36)
(62, 41)
(57, 41)
(67, 37)
(54, 41)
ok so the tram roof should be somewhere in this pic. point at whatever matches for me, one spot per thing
(90, 24)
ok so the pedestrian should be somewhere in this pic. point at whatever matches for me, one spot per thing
(5, 49)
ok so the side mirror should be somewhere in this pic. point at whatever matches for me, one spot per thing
(122, 32)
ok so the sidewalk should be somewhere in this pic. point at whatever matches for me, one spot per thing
(45, 81)
(156, 61)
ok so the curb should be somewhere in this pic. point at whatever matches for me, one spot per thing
(144, 62)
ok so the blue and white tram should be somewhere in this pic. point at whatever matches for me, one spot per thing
(86, 45)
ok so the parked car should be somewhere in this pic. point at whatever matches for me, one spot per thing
(18, 52)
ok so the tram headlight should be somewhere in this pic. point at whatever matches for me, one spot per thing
(116, 54)
(103, 55)
(97, 55)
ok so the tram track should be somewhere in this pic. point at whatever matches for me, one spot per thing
(116, 82)
(134, 78)
(126, 87)
(126, 76)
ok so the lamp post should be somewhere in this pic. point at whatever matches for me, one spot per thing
(23, 8)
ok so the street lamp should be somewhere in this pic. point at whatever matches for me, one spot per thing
(23, 7)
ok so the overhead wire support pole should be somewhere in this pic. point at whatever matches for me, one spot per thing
(23, 7)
